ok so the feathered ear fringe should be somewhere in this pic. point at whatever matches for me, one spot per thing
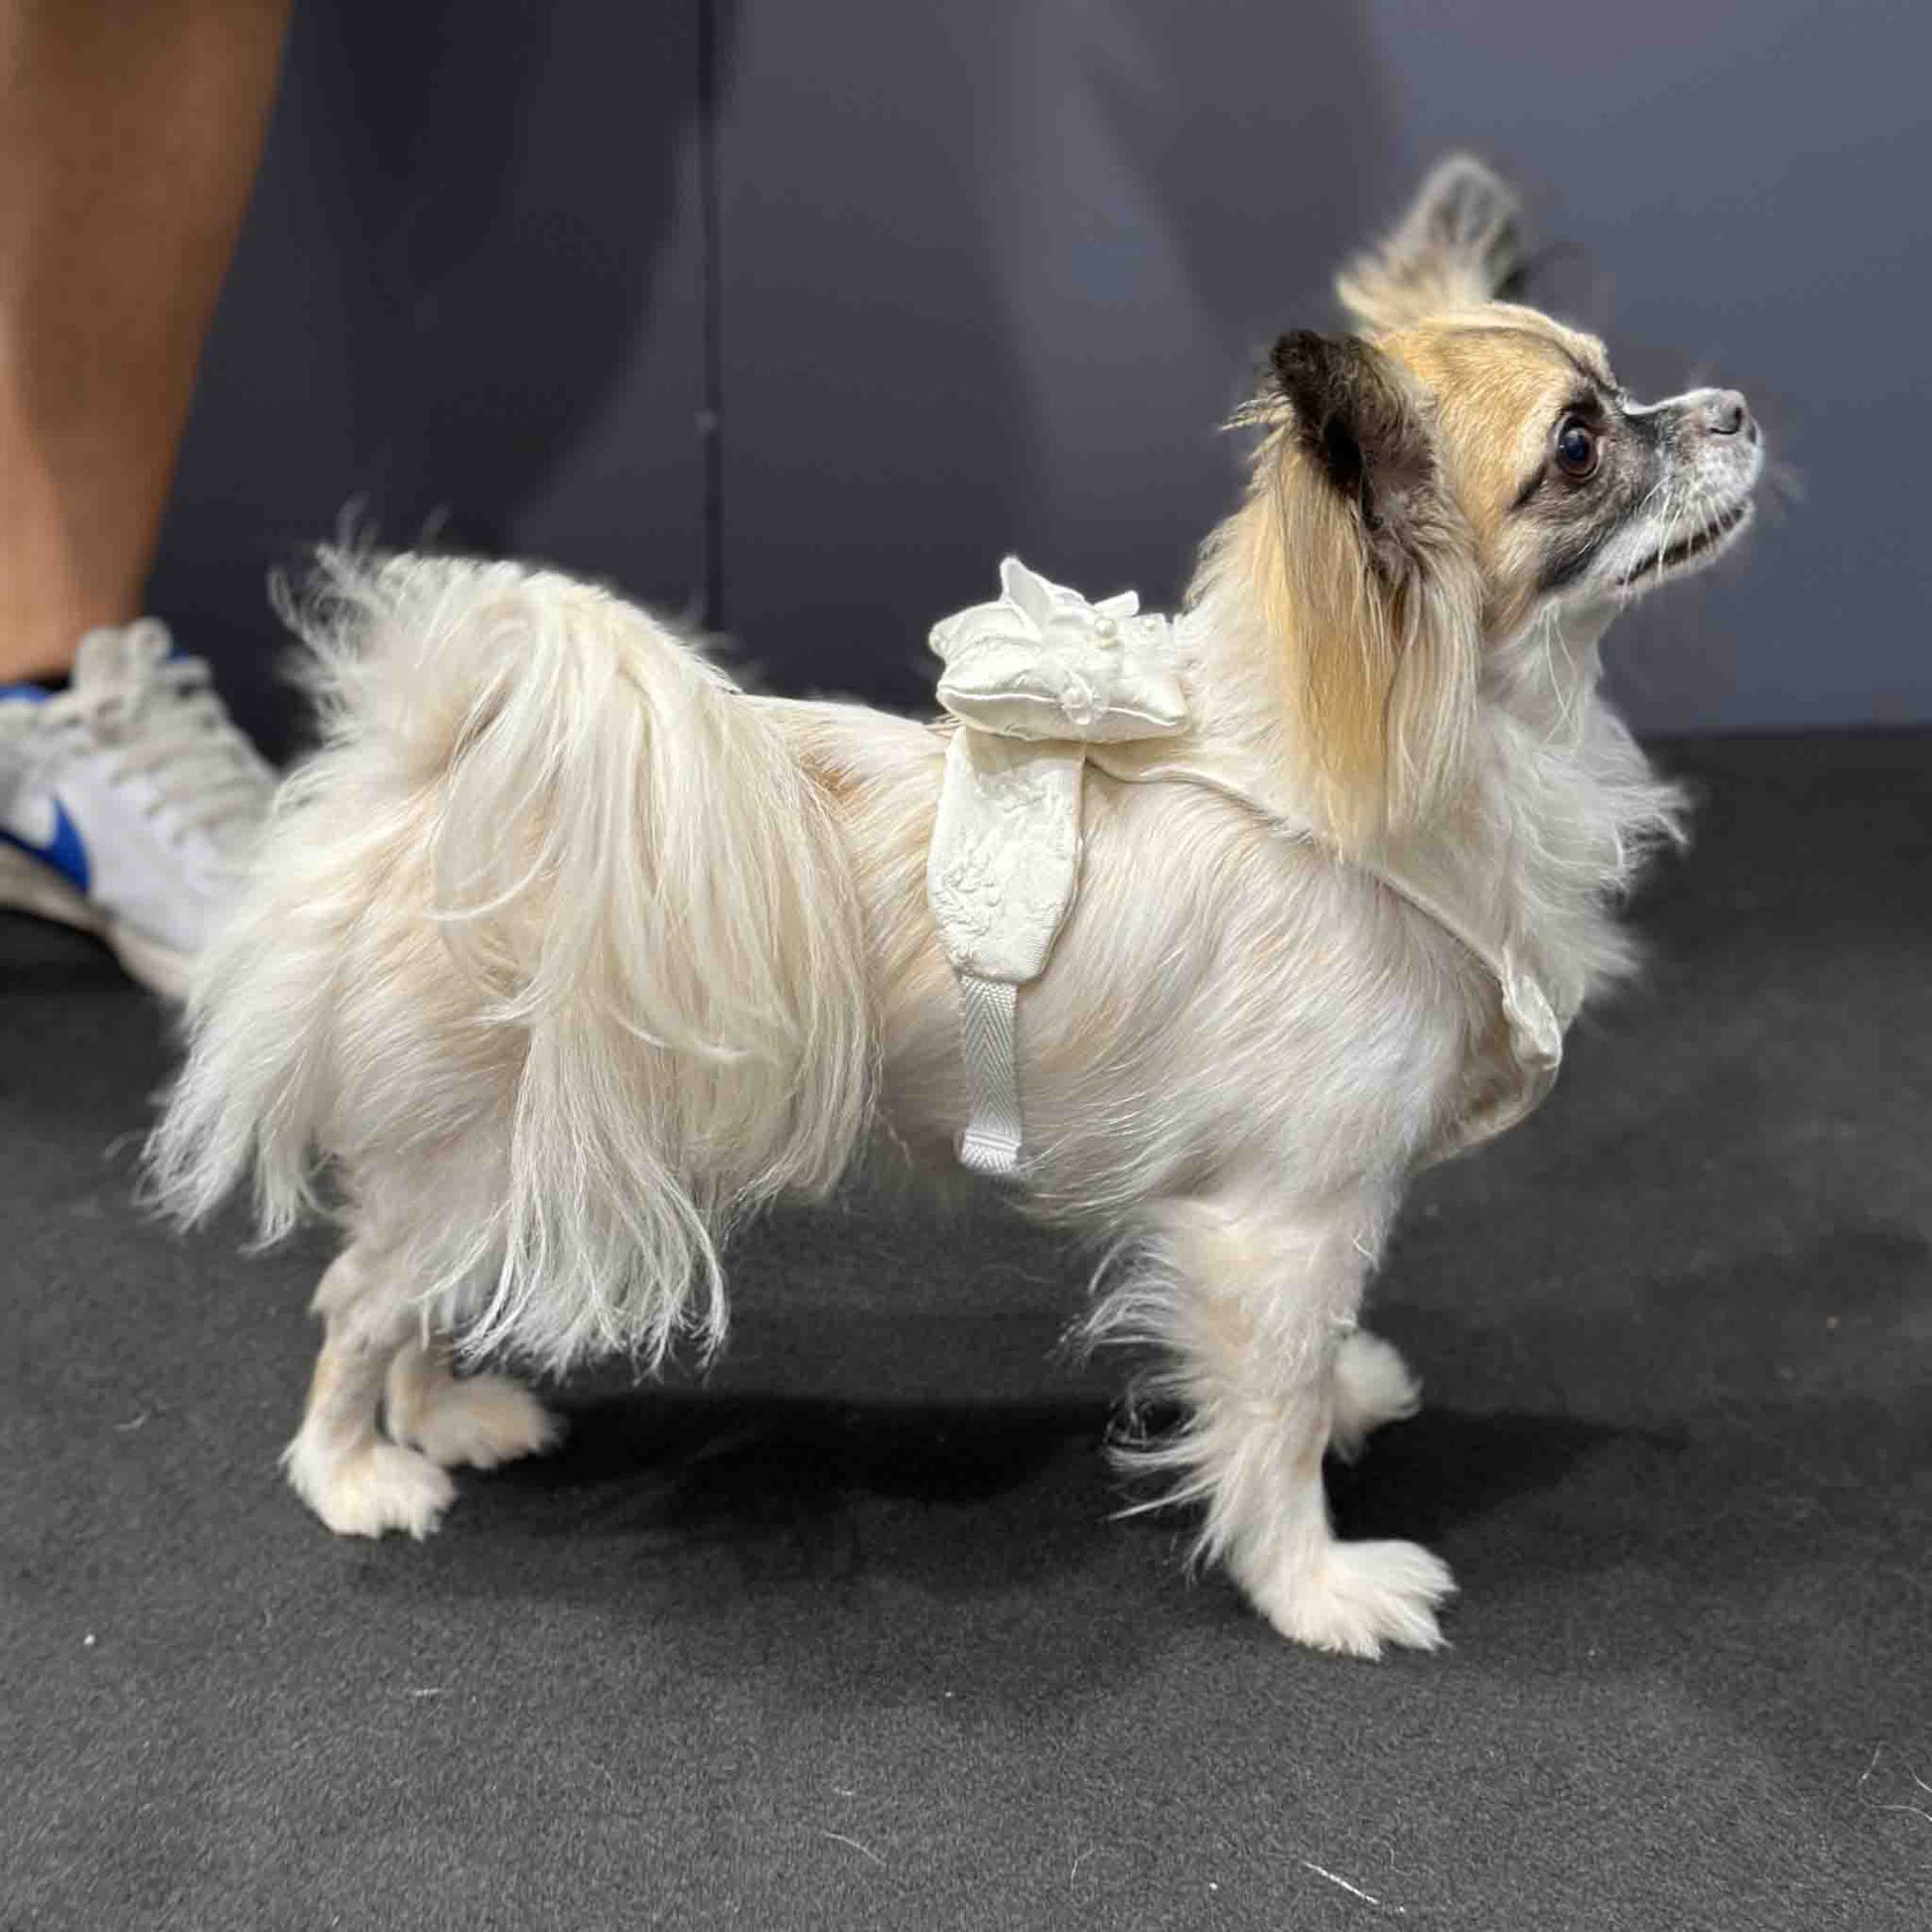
(1382, 668)
(1362, 569)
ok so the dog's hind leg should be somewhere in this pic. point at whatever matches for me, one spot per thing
(339, 1463)
(478, 1419)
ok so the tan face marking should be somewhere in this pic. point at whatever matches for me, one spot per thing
(1500, 378)
(1498, 386)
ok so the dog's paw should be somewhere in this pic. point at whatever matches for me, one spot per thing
(1372, 1386)
(376, 1486)
(1357, 1597)
(480, 1420)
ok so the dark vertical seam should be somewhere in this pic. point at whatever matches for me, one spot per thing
(711, 417)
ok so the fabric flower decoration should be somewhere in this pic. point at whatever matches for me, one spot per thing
(1044, 663)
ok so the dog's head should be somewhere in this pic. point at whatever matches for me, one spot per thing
(1462, 470)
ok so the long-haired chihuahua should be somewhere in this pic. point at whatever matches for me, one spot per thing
(564, 954)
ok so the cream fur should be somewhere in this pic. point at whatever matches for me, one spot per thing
(562, 955)
(552, 936)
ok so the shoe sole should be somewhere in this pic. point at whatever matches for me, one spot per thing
(26, 885)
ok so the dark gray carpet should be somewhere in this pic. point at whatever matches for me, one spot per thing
(845, 1637)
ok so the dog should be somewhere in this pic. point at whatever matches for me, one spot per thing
(562, 954)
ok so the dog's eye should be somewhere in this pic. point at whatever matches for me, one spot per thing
(1578, 448)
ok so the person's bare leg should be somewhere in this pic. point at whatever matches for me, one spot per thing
(129, 135)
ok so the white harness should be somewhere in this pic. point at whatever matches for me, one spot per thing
(1041, 681)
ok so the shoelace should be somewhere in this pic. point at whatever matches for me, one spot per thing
(160, 720)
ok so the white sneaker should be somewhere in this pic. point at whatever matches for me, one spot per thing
(129, 802)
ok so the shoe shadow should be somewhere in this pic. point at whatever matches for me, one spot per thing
(43, 957)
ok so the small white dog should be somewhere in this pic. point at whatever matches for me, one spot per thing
(564, 954)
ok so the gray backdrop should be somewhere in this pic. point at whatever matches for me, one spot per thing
(965, 279)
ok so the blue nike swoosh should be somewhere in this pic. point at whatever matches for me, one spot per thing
(64, 851)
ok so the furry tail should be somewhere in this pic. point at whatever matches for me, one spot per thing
(552, 949)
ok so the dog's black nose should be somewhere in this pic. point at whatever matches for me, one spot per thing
(1726, 413)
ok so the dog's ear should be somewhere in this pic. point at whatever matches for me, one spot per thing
(1376, 593)
(1354, 416)
(1459, 245)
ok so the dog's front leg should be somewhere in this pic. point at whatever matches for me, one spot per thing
(1253, 1309)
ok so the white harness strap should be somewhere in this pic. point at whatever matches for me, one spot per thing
(1041, 681)
(991, 1142)
(1536, 1029)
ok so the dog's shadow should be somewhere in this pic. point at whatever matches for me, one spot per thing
(832, 1552)
(783, 1481)
(959, 1500)
(1445, 1471)
(879, 1548)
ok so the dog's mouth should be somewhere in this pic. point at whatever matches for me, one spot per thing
(1700, 547)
